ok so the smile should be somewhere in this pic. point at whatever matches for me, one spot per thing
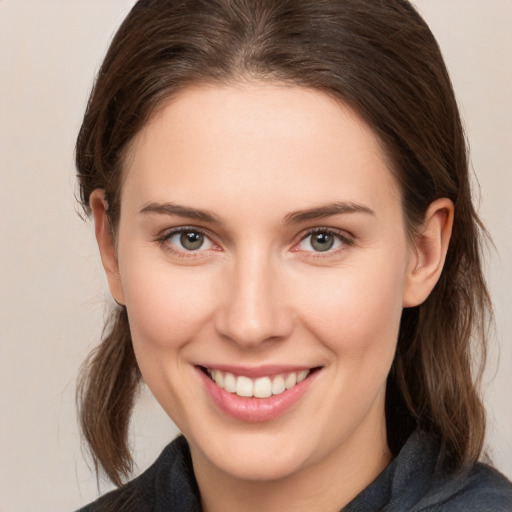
(262, 387)
(257, 394)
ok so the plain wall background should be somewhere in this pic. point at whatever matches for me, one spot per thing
(52, 289)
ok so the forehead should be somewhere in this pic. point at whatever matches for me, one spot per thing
(260, 141)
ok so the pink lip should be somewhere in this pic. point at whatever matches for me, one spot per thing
(253, 409)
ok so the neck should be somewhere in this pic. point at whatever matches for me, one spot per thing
(325, 486)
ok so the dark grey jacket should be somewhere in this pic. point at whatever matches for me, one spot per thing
(413, 482)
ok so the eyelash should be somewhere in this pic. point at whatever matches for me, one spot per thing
(344, 239)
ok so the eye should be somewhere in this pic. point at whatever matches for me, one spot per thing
(323, 240)
(186, 240)
(190, 240)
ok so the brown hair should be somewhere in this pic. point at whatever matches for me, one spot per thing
(381, 59)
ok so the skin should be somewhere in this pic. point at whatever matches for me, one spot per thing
(257, 292)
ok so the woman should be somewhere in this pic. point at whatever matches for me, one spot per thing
(281, 201)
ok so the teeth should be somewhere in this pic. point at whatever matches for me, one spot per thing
(302, 375)
(278, 385)
(262, 387)
(244, 386)
(218, 377)
(290, 380)
(229, 383)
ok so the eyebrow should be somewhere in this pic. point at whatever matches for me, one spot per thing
(319, 212)
(327, 210)
(181, 211)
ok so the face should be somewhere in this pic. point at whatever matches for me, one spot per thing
(263, 261)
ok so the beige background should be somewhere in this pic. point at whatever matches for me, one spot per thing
(52, 290)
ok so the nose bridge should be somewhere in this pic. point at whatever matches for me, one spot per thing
(254, 309)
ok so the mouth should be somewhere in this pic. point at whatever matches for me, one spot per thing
(256, 395)
(261, 387)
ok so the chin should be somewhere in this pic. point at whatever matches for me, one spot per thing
(254, 456)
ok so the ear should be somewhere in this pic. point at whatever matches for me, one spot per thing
(105, 239)
(428, 252)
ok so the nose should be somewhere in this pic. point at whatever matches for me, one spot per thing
(253, 308)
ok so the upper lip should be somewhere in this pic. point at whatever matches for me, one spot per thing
(254, 372)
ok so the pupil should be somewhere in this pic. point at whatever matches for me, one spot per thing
(322, 241)
(191, 240)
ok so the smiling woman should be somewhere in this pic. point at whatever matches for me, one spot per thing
(275, 287)
(281, 201)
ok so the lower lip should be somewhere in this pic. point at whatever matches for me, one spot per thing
(253, 409)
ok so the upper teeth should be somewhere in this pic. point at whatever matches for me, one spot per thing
(262, 387)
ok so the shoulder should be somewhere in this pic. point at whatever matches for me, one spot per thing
(168, 481)
(481, 489)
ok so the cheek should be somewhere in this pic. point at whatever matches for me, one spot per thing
(356, 310)
(166, 306)
(165, 312)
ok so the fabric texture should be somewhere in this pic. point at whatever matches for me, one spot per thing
(413, 482)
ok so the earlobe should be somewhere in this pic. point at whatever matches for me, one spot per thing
(105, 239)
(428, 252)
